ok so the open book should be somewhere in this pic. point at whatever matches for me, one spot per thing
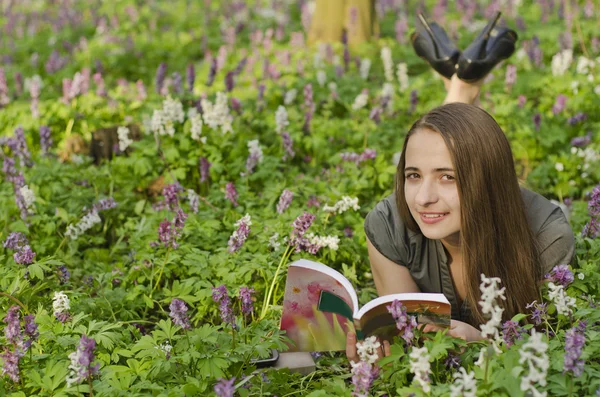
(320, 307)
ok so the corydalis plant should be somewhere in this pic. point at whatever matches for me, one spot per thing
(405, 323)
(82, 367)
(178, 313)
(240, 235)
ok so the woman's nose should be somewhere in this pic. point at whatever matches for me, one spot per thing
(426, 194)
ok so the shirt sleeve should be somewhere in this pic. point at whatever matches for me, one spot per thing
(556, 242)
(386, 231)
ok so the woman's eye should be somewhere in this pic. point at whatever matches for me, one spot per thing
(412, 176)
(448, 177)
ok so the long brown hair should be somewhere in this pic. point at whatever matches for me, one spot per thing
(496, 239)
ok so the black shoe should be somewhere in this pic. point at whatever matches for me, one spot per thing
(489, 48)
(432, 44)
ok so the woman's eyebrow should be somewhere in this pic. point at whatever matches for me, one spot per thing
(442, 169)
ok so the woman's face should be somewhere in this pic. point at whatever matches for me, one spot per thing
(430, 187)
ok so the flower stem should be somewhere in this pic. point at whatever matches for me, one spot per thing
(266, 304)
(18, 302)
(162, 268)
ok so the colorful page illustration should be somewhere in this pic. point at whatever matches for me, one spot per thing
(309, 328)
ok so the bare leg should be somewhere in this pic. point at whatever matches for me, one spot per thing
(460, 91)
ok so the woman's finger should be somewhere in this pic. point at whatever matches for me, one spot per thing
(386, 348)
(351, 352)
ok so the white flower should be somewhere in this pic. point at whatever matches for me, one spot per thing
(274, 243)
(317, 60)
(196, 128)
(321, 77)
(365, 66)
(61, 302)
(75, 375)
(559, 167)
(561, 62)
(580, 276)
(584, 65)
(245, 219)
(343, 205)
(361, 101)
(331, 242)
(597, 90)
(332, 86)
(419, 365)
(281, 119)
(217, 115)
(290, 96)
(34, 81)
(464, 384)
(490, 293)
(388, 63)
(575, 87)
(533, 353)
(561, 300)
(521, 54)
(173, 110)
(86, 223)
(255, 150)
(124, 140)
(28, 198)
(402, 74)
(367, 349)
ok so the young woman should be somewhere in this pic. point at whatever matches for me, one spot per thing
(457, 212)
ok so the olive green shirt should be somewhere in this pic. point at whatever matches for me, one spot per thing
(426, 259)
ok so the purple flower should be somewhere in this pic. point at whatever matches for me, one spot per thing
(15, 241)
(308, 98)
(522, 101)
(537, 121)
(581, 141)
(31, 328)
(204, 168)
(178, 313)
(239, 236)
(511, 331)
(11, 365)
(363, 375)
(284, 201)
(171, 195)
(24, 256)
(212, 73)
(560, 104)
(574, 341)
(592, 228)
(300, 226)
(578, 118)
(81, 361)
(161, 73)
(63, 274)
(560, 274)
(18, 144)
(225, 388)
(375, 114)
(452, 361)
(169, 232)
(240, 66)
(100, 86)
(236, 105)
(539, 313)
(221, 296)
(177, 82)
(520, 23)
(104, 204)
(231, 194)
(12, 331)
(414, 100)
(401, 27)
(246, 298)
(229, 81)
(404, 322)
(190, 76)
(288, 146)
(45, 139)
(511, 75)
(594, 202)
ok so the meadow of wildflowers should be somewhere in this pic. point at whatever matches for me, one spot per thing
(162, 163)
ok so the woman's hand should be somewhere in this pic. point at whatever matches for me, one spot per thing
(352, 353)
(458, 329)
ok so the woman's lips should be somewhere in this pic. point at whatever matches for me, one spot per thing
(432, 217)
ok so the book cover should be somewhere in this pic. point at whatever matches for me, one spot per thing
(320, 307)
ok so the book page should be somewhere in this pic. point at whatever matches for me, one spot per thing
(309, 328)
(413, 299)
